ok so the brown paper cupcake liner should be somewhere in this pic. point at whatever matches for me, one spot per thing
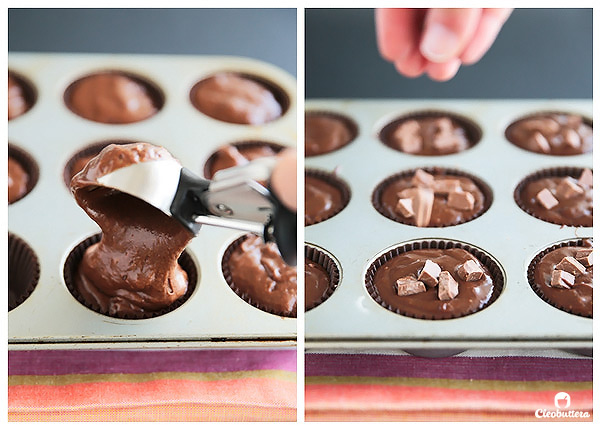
(29, 91)
(23, 271)
(496, 272)
(377, 193)
(333, 180)
(88, 151)
(74, 259)
(240, 146)
(473, 131)
(229, 279)
(349, 123)
(29, 165)
(152, 89)
(531, 271)
(280, 95)
(547, 172)
(532, 115)
(317, 256)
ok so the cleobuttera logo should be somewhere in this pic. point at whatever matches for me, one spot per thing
(562, 400)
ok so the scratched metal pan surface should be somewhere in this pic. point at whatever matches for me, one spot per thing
(351, 319)
(50, 221)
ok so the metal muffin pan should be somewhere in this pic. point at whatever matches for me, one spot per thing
(50, 221)
(351, 319)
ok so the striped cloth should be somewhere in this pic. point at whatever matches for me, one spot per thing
(376, 387)
(152, 385)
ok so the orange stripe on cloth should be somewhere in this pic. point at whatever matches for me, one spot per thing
(346, 397)
(426, 416)
(247, 392)
(160, 413)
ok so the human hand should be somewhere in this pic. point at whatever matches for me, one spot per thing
(283, 178)
(436, 41)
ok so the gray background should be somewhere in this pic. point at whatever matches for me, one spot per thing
(264, 34)
(540, 53)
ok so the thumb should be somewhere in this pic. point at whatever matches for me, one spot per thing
(446, 33)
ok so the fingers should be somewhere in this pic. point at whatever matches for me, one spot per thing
(397, 33)
(413, 65)
(283, 178)
(447, 32)
(443, 71)
(490, 24)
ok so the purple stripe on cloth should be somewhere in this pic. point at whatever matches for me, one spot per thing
(58, 362)
(459, 368)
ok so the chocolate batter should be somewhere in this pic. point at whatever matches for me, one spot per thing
(260, 275)
(316, 284)
(575, 211)
(17, 99)
(472, 296)
(434, 136)
(230, 97)
(111, 98)
(325, 133)
(579, 298)
(18, 180)
(322, 200)
(442, 214)
(234, 155)
(561, 134)
(133, 270)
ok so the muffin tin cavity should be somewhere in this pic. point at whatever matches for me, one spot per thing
(326, 132)
(552, 133)
(445, 208)
(22, 95)
(256, 272)
(325, 195)
(431, 133)
(576, 298)
(74, 259)
(322, 275)
(53, 224)
(114, 97)
(23, 271)
(473, 295)
(556, 195)
(239, 98)
(23, 173)
(80, 158)
(238, 153)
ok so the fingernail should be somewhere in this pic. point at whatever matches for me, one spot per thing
(440, 44)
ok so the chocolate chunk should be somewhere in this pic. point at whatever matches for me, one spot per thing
(447, 286)
(445, 186)
(571, 265)
(546, 199)
(571, 138)
(562, 279)
(586, 179)
(540, 142)
(409, 286)
(405, 207)
(430, 273)
(568, 188)
(461, 200)
(470, 271)
(585, 257)
(544, 125)
(423, 178)
(407, 135)
(446, 142)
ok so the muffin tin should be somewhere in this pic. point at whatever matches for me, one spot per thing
(51, 222)
(358, 235)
